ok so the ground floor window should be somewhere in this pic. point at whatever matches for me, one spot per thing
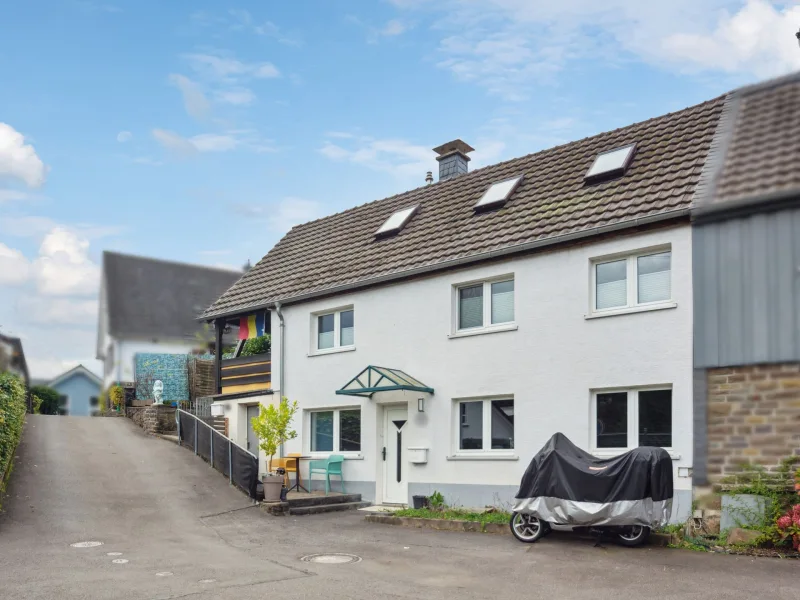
(485, 424)
(632, 417)
(335, 430)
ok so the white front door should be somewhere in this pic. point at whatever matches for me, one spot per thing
(395, 467)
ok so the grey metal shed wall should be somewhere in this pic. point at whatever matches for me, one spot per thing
(747, 290)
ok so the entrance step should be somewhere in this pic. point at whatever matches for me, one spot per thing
(305, 500)
(325, 508)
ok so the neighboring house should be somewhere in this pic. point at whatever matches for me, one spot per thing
(12, 357)
(150, 306)
(439, 337)
(79, 389)
(747, 285)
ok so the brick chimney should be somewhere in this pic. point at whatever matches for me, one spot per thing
(453, 159)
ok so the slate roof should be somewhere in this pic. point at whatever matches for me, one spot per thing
(552, 201)
(756, 151)
(147, 297)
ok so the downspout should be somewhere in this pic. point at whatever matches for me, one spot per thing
(282, 357)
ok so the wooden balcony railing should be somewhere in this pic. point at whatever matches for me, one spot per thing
(246, 374)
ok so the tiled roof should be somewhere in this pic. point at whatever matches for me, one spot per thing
(159, 298)
(757, 147)
(552, 201)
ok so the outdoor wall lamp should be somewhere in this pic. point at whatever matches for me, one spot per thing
(421, 404)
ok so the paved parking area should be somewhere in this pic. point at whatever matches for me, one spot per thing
(186, 533)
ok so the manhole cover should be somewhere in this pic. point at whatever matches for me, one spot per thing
(86, 544)
(119, 561)
(332, 559)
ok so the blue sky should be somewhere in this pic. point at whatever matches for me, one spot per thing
(202, 131)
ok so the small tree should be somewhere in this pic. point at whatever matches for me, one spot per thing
(271, 426)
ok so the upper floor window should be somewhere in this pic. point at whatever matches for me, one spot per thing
(632, 281)
(485, 304)
(334, 330)
(634, 417)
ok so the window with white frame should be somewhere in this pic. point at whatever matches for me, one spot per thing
(485, 425)
(335, 430)
(485, 304)
(334, 330)
(633, 417)
(630, 281)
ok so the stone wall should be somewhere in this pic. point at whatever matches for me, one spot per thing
(753, 416)
(153, 418)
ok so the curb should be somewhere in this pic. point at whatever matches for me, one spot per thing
(440, 524)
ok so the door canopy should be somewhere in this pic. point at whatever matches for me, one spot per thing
(380, 379)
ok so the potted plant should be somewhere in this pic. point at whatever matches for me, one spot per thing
(271, 427)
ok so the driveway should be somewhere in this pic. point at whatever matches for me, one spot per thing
(186, 533)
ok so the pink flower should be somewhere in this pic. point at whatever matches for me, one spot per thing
(784, 522)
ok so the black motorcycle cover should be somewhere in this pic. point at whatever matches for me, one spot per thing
(566, 485)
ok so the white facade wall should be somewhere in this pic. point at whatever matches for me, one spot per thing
(550, 364)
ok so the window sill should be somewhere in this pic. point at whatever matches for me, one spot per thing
(484, 330)
(331, 351)
(614, 453)
(631, 310)
(484, 456)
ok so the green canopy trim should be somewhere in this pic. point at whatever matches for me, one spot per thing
(380, 379)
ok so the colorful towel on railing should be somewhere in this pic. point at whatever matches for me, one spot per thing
(252, 326)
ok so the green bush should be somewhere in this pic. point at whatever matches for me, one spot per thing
(36, 404)
(51, 400)
(12, 416)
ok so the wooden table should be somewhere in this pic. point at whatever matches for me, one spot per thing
(298, 484)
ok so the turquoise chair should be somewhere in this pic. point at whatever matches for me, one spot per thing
(330, 466)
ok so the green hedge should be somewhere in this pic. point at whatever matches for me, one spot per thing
(12, 417)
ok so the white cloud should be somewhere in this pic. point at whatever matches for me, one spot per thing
(281, 216)
(19, 160)
(37, 226)
(758, 39)
(509, 46)
(13, 196)
(124, 136)
(63, 266)
(393, 28)
(59, 311)
(194, 100)
(225, 68)
(239, 96)
(14, 267)
(206, 142)
(244, 20)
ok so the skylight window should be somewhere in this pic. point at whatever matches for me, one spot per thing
(397, 221)
(612, 163)
(498, 193)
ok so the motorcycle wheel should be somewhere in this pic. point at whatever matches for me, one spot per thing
(527, 528)
(635, 535)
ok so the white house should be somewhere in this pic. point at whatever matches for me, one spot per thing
(439, 337)
(149, 306)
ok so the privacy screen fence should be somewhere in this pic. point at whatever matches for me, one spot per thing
(233, 461)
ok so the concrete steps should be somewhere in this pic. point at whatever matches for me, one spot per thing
(314, 503)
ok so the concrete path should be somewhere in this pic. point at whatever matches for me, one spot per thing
(166, 511)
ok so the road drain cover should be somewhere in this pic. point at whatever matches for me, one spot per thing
(86, 544)
(332, 559)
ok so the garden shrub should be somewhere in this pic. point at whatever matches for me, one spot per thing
(117, 396)
(12, 417)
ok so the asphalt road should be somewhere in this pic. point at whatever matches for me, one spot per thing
(186, 533)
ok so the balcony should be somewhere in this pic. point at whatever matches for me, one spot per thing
(246, 374)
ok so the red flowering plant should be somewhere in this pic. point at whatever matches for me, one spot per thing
(788, 525)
